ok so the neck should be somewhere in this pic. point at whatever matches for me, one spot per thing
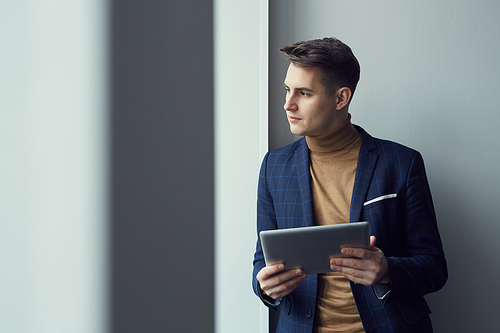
(335, 140)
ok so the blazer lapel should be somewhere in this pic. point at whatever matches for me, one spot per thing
(304, 177)
(364, 172)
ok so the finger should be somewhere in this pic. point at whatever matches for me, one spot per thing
(284, 277)
(347, 263)
(372, 242)
(356, 252)
(355, 279)
(268, 271)
(278, 279)
(367, 279)
(363, 272)
(353, 274)
(285, 288)
(355, 269)
(345, 270)
(364, 277)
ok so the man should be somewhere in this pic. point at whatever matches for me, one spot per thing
(338, 173)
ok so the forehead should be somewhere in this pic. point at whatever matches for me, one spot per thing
(307, 77)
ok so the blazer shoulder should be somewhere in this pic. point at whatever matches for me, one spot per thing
(383, 147)
(388, 146)
(284, 154)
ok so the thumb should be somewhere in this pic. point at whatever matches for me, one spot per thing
(372, 243)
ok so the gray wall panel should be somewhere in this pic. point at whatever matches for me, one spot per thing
(162, 166)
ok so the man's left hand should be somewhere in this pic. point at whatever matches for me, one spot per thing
(367, 267)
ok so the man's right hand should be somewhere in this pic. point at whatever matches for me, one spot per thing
(277, 283)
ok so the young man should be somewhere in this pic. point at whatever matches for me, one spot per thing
(338, 173)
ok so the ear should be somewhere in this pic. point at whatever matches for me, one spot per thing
(343, 97)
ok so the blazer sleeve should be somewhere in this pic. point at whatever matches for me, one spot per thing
(266, 220)
(423, 268)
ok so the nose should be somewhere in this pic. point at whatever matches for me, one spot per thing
(290, 104)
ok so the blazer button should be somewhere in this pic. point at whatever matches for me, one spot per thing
(309, 314)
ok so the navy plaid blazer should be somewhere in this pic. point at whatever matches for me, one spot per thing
(392, 193)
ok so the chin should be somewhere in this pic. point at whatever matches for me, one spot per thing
(296, 131)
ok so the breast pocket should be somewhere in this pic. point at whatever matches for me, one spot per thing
(382, 211)
(385, 218)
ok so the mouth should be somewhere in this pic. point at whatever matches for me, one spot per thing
(293, 119)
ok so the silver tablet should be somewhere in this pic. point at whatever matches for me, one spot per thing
(310, 248)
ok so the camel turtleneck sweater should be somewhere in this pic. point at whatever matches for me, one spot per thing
(334, 159)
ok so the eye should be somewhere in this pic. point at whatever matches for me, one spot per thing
(303, 93)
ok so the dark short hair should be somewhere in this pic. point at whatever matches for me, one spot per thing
(339, 66)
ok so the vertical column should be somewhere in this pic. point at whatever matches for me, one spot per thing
(162, 166)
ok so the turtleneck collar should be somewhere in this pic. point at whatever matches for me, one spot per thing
(336, 140)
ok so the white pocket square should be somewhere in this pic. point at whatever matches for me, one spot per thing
(387, 196)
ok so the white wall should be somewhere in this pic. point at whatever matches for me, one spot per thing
(53, 198)
(240, 144)
(429, 79)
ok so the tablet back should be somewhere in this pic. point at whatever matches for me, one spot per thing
(310, 248)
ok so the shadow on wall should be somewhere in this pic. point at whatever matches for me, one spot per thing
(279, 130)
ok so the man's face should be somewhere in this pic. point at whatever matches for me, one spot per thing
(310, 110)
